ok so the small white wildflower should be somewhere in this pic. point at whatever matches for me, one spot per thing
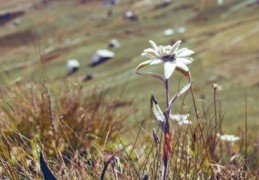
(181, 30)
(228, 138)
(168, 32)
(172, 58)
(214, 85)
(181, 118)
(217, 87)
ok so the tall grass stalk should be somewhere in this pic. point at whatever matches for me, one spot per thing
(245, 165)
(201, 129)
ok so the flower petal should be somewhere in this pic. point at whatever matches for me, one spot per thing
(153, 44)
(169, 68)
(156, 61)
(182, 66)
(152, 52)
(161, 50)
(154, 75)
(186, 60)
(148, 55)
(143, 64)
(185, 52)
(174, 47)
(186, 74)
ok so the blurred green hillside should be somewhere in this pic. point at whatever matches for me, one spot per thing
(35, 46)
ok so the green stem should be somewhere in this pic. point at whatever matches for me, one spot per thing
(167, 133)
(167, 98)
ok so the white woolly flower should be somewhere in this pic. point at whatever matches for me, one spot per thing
(181, 30)
(228, 138)
(168, 32)
(182, 119)
(170, 56)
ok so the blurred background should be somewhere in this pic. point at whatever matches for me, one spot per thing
(97, 44)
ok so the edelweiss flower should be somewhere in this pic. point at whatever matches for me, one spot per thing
(172, 58)
(181, 118)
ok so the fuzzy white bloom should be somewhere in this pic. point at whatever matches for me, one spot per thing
(228, 138)
(182, 119)
(168, 32)
(170, 56)
(217, 87)
(181, 30)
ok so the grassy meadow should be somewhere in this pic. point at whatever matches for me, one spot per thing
(80, 127)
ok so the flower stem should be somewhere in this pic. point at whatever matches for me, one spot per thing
(167, 113)
(167, 133)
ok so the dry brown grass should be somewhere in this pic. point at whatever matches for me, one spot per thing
(67, 129)
(84, 138)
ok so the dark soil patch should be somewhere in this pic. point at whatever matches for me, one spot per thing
(9, 16)
(18, 38)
